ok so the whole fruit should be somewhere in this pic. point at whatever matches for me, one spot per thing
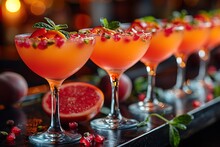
(125, 88)
(13, 87)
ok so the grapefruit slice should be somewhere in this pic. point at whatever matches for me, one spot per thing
(79, 101)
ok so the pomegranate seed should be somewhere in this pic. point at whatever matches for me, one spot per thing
(99, 138)
(89, 136)
(188, 27)
(209, 97)
(141, 96)
(116, 37)
(103, 38)
(168, 31)
(85, 142)
(26, 44)
(73, 125)
(59, 41)
(42, 45)
(196, 103)
(127, 40)
(136, 37)
(11, 137)
(15, 130)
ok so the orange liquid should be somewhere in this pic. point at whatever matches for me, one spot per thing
(161, 47)
(193, 40)
(56, 63)
(214, 38)
(117, 56)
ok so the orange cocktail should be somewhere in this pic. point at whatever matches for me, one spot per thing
(54, 54)
(193, 39)
(162, 46)
(116, 56)
(115, 51)
(54, 62)
(165, 41)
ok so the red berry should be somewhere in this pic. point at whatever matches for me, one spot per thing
(188, 26)
(73, 125)
(196, 103)
(15, 130)
(99, 138)
(89, 136)
(11, 137)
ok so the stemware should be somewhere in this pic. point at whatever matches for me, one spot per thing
(195, 36)
(165, 40)
(204, 53)
(54, 59)
(115, 51)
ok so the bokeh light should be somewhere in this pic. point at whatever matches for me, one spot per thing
(82, 21)
(38, 7)
(13, 5)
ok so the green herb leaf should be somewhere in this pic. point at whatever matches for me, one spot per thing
(113, 25)
(43, 25)
(104, 22)
(67, 34)
(182, 119)
(50, 21)
(179, 126)
(148, 19)
(4, 133)
(174, 136)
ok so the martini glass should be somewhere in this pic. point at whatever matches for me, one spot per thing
(115, 52)
(54, 59)
(166, 39)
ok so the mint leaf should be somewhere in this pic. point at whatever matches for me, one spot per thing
(49, 21)
(43, 25)
(113, 25)
(179, 126)
(174, 136)
(67, 34)
(148, 19)
(104, 22)
(61, 26)
(182, 119)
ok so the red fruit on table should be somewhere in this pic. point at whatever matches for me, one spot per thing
(13, 87)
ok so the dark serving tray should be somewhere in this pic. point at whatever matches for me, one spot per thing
(29, 114)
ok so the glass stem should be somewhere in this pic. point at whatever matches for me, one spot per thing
(151, 82)
(204, 57)
(115, 111)
(55, 125)
(181, 67)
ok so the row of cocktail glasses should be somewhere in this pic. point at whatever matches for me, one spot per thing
(148, 40)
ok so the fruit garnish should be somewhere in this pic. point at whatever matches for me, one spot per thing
(73, 125)
(52, 26)
(78, 102)
(179, 122)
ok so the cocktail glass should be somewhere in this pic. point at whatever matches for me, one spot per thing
(195, 36)
(165, 41)
(115, 52)
(55, 60)
(204, 53)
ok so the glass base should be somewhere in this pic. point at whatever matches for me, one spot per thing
(112, 124)
(47, 139)
(150, 107)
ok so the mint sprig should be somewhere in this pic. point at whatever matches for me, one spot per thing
(179, 122)
(148, 19)
(113, 25)
(50, 25)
